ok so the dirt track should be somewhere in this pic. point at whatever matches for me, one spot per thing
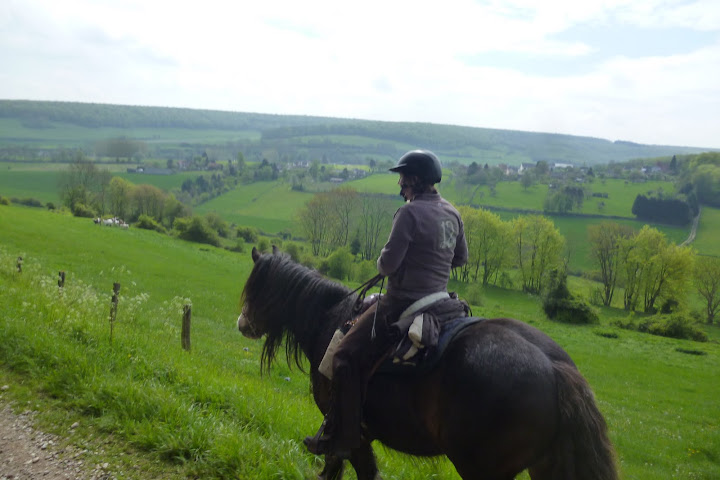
(26, 453)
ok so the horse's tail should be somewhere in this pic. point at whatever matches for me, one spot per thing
(583, 450)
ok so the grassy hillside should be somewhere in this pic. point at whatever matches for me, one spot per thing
(176, 132)
(209, 414)
(41, 181)
(707, 240)
(269, 206)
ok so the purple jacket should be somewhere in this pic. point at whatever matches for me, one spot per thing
(427, 240)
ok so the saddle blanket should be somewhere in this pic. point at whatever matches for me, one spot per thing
(425, 359)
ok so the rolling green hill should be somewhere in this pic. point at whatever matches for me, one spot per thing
(209, 413)
(29, 129)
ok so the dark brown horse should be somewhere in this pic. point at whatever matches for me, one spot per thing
(504, 397)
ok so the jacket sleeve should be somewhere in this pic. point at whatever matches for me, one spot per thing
(461, 248)
(393, 253)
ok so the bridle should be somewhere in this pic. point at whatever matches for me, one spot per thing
(251, 327)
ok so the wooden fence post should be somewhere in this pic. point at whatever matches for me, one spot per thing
(61, 279)
(19, 264)
(185, 335)
(113, 308)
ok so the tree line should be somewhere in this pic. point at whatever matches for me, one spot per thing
(653, 273)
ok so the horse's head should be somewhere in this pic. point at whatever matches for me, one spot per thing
(247, 325)
(285, 300)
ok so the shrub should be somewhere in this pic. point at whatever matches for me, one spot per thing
(50, 206)
(249, 234)
(4, 200)
(82, 210)
(293, 249)
(149, 223)
(195, 229)
(474, 295)
(340, 264)
(239, 247)
(364, 270)
(309, 261)
(560, 305)
(506, 280)
(596, 296)
(263, 245)
(217, 223)
(573, 310)
(676, 325)
(29, 202)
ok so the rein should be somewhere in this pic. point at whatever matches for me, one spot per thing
(363, 289)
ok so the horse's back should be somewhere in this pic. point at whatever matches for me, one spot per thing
(496, 377)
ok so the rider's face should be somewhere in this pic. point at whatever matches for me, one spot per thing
(406, 190)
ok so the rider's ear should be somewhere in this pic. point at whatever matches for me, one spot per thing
(255, 254)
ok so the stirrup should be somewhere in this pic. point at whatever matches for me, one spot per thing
(322, 444)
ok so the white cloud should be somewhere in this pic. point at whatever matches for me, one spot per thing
(400, 60)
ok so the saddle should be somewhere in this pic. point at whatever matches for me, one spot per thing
(427, 326)
(425, 329)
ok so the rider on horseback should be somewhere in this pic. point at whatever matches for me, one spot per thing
(426, 241)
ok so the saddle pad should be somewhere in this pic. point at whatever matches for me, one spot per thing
(450, 329)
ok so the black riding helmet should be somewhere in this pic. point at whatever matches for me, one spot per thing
(422, 163)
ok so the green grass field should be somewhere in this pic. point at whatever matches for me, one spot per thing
(20, 183)
(209, 414)
(512, 195)
(269, 206)
(40, 181)
(707, 240)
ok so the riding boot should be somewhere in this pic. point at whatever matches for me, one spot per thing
(340, 431)
(325, 441)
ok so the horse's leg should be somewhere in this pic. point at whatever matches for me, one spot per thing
(363, 461)
(334, 468)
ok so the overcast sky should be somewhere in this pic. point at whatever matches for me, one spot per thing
(640, 70)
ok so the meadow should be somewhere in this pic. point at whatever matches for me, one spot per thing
(269, 206)
(41, 180)
(209, 413)
(707, 241)
(512, 195)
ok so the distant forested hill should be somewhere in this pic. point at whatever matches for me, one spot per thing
(175, 133)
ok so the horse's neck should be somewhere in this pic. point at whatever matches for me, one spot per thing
(315, 335)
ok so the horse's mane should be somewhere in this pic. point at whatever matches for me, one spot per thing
(289, 300)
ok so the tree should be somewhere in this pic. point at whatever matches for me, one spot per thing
(605, 241)
(707, 184)
(173, 209)
(538, 245)
(707, 283)
(565, 199)
(81, 182)
(542, 168)
(653, 269)
(120, 196)
(527, 180)
(344, 204)
(149, 200)
(667, 276)
(489, 240)
(314, 169)
(314, 219)
(240, 162)
(375, 219)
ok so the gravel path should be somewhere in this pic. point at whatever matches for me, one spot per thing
(27, 453)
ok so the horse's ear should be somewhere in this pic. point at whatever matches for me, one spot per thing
(255, 254)
(275, 250)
